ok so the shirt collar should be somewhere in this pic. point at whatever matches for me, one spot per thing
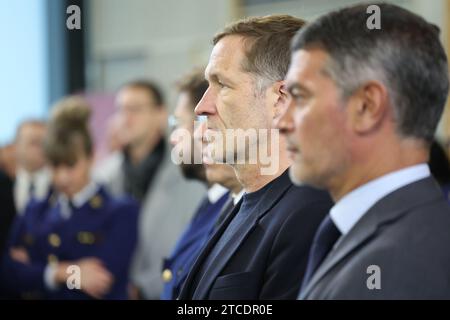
(216, 192)
(237, 196)
(83, 196)
(347, 211)
(41, 174)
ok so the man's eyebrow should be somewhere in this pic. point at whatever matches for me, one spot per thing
(216, 76)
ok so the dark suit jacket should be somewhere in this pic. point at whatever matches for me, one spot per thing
(8, 211)
(7, 214)
(407, 235)
(267, 257)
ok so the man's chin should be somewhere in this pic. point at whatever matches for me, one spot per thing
(295, 176)
(300, 177)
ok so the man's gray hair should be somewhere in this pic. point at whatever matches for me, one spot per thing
(405, 55)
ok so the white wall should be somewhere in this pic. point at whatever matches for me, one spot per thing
(155, 39)
(163, 39)
(432, 10)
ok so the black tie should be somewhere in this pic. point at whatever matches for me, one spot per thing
(326, 236)
(31, 189)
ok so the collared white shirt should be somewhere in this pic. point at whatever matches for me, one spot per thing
(41, 180)
(78, 200)
(237, 197)
(352, 207)
(215, 192)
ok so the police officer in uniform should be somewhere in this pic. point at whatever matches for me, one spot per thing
(77, 243)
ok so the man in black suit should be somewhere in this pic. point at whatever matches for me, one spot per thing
(260, 250)
(364, 106)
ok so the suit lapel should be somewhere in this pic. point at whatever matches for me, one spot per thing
(186, 289)
(386, 210)
(267, 201)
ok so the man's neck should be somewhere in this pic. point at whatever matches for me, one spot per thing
(376, 166)
(251, 178)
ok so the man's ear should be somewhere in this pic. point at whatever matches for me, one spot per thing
(367, 107)
(280, 98)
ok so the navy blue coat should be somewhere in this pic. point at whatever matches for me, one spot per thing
(104, 227)
(266, 258)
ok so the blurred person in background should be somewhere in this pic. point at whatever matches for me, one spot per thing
(142, 118)
(166, 210)
(8, 212)
(107, 169)
(8, 160)
(79, 226)
(33, 177)
(221, 180)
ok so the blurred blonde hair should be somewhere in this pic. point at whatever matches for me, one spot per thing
(69, 135)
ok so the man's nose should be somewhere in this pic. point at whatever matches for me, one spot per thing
(206, 105)
(285, 121)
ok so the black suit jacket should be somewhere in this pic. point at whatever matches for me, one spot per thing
(406, 235)
(267, 257)
(8, 210)
(7, 214)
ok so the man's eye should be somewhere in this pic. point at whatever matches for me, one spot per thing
(297, 95)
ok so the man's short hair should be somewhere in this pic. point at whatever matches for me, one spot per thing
(405, 55)
(194, 84)
(152, 89)
(29, 122)
(267, 43)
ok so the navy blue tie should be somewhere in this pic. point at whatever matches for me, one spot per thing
(326, 236)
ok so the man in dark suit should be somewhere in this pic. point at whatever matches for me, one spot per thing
(260, 249)
(364, 106)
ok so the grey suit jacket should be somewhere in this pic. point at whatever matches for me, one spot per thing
(166, 210)
(407, 235)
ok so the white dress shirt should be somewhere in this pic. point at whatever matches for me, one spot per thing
(215, 192)
(78, 200)
(352, 207)
(41, 180)
(237, 197)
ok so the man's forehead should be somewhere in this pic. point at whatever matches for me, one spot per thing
(33, 127)
(134, 95)
(227, 53)
(307, 63)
